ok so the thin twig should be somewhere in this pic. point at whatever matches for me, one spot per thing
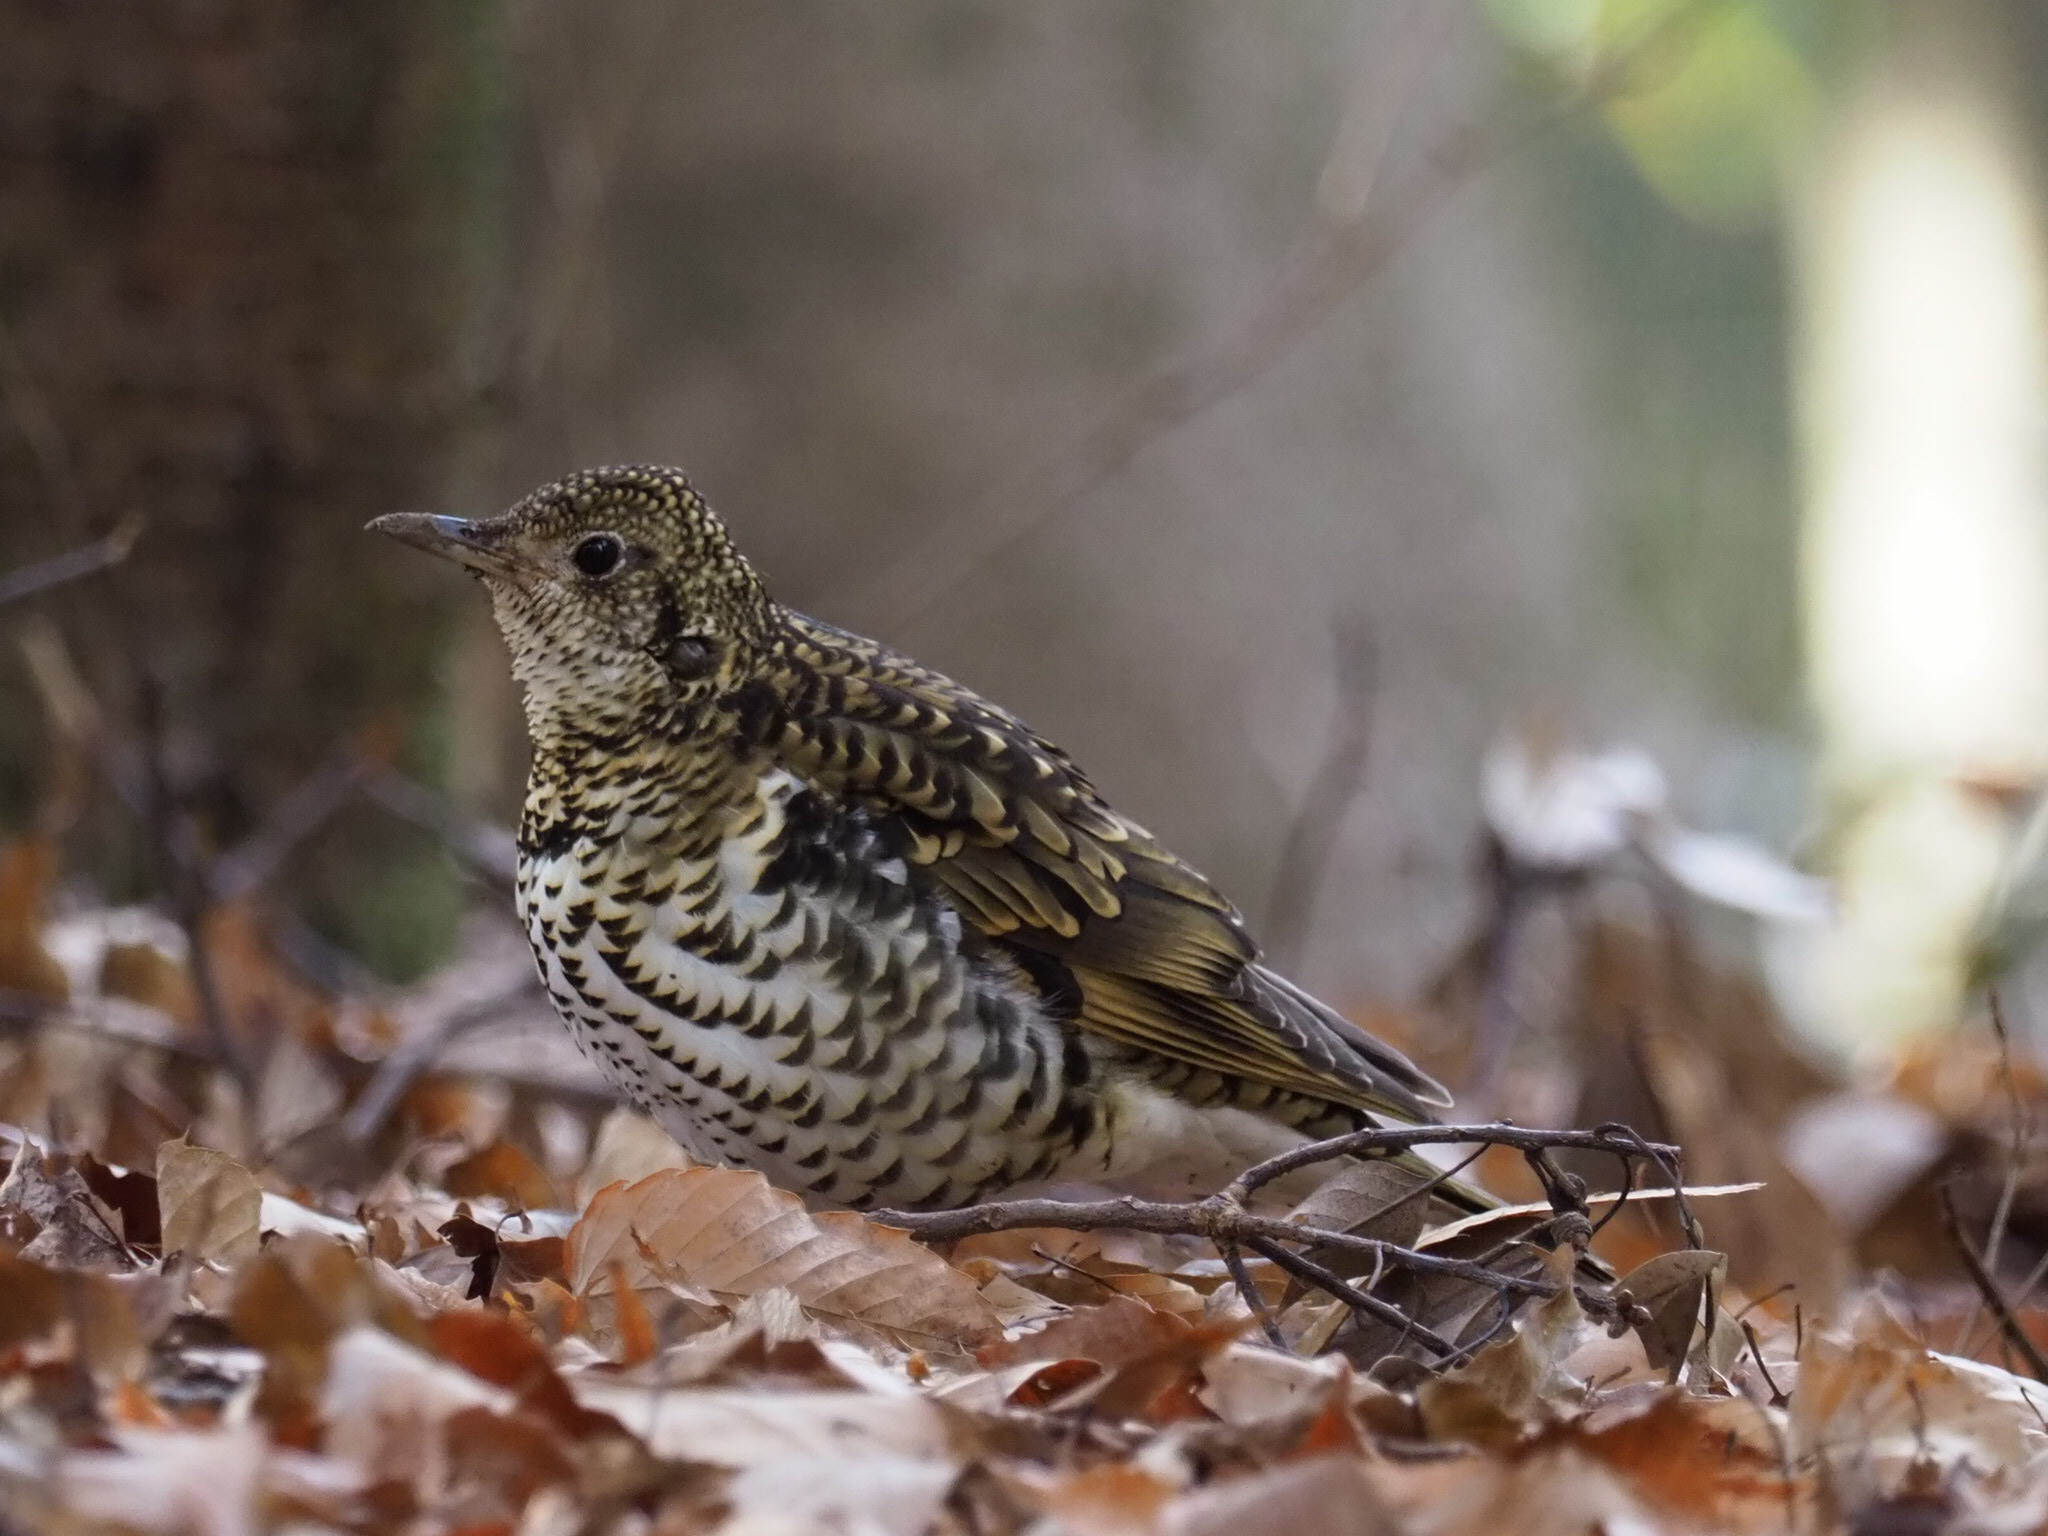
(1628, 1187)
(1214, 1219)
(182, 869)
(1987, 1287)
(1225, 1220)
(1305, 854)
(1756, 1352)
(1666, 1158)
(297, 816)
(1349, 239)
(490, 852)
(2019, 1130)
(1312, 1273)
(1501, 1325)
(1241, 1276)
(414, 1055)
(86, 560)
(1617, 1139)
(1423, 1191)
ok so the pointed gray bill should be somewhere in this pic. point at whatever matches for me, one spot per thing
(475, 546)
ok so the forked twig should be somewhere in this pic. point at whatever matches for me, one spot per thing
(1225, 1220)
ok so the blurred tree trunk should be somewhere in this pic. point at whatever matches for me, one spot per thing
(239, 245)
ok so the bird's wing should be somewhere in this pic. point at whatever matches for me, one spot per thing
(1026, 850)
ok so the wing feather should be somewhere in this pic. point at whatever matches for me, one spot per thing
(1016, 836)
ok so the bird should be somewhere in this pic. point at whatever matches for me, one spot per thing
(828, 914)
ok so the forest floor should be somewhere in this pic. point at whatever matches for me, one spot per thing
(274, 1256)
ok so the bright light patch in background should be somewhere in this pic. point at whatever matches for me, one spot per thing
(1707, 123)
(1926, 555)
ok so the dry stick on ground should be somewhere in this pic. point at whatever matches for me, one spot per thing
(1224, 1219)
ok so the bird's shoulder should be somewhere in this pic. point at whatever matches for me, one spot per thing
(966, 787)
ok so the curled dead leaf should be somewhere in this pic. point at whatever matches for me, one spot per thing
(1673, 1290)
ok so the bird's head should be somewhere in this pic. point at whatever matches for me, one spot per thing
(618, 590)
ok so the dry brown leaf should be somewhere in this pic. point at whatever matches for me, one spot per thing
(212, 1206)
(1327, 1495)
(1372, 1197)
(1250, 1384)
(1559, 1492)
(27, 869)
(1874, 1405)
(1689, 1052)
(1672, 1289)
(1111, 1334)
(1163, 1384)
(493, 1348)
(732, 1234)
(1161, 1292)
(505, 1458)
(1107, 1500)
(635, 1329)
(626, 1148)
(502, 1171)
(384, 1404)
(130, 1196)
(206, 1483)
(31, 1299)
(1719, 1460)
(143, 973)
(259, 990)
(47, 1205)
(1515, 1382)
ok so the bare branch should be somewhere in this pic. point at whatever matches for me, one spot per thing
(489, 851)
(1307, 1270)
(86, 560)
(1349, 239)
(1225, 1221)
(1305, 855)
(1987, 1287)
(416, 1055)
(1619, 1140)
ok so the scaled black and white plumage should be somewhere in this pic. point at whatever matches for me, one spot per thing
(829, 914)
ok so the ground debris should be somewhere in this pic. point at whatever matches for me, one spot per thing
(500, 1305)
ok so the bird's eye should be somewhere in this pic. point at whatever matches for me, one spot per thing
(598, 555)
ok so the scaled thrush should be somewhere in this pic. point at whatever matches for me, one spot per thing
(829, 914)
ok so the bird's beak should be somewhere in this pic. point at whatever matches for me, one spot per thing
(476, 546)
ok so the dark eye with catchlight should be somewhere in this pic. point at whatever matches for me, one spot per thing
(598, 555)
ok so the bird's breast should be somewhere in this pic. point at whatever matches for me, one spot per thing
(783, 996)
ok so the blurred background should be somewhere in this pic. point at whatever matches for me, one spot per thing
(1419, 455)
